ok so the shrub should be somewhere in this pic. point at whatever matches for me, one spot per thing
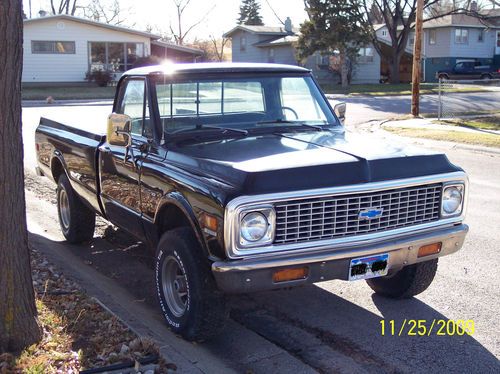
(101, 77)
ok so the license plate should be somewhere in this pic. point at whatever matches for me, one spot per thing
(369, 267)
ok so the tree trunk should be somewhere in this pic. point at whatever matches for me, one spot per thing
(18, 323)
(394, 63)
(344, 70)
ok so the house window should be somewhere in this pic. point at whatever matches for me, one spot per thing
(270, 55)
(480, 36)
(461, 36)
(384, 32)
(243, 43)
(365, 55)
(498, 39)
(115, 57)
(432, 36)
(52, 47)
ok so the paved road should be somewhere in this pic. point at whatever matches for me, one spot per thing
(335, 326)
(362, 109)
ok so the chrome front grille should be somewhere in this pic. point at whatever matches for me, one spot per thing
(330, 217)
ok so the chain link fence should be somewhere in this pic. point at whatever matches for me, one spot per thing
(465, 98)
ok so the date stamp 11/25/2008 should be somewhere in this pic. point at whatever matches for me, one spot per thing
(424, 327)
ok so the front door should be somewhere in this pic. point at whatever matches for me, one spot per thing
(120, 166)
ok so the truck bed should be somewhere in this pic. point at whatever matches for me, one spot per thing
(77, 151)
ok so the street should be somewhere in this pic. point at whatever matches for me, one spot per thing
(362, 109)
(332, 326)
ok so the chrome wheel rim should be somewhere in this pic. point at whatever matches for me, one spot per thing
(174, 284)
(64, 208)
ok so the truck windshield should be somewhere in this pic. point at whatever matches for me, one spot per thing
(242, 103)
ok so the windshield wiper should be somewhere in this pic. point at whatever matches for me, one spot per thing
(297, 124)
(223, 129)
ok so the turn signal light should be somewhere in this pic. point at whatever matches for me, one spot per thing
(286, 275)
(429, 249)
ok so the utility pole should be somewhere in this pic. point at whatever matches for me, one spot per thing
(417, 58)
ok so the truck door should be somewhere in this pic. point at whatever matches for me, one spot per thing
(120, 166)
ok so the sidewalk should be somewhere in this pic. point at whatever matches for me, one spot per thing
(430, 124)
(405, 127)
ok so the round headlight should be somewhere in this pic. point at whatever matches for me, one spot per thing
(253, 226)
(452, 199)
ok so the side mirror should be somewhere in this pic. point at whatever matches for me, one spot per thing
(340, 110)
(119, 130)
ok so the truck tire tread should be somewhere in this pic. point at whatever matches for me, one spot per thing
(82, 219)
(207, 312)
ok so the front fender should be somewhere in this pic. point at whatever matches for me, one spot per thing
(177, 199)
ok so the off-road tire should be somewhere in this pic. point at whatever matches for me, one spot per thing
(406, 283)
(81, 225)
(205, 308)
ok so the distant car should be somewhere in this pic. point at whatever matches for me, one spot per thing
(469, 70)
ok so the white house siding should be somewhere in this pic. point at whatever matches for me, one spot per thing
(367, 72)
(251, 54)
(67, 67)
(442, 46)
(283, 54)
(473, 48)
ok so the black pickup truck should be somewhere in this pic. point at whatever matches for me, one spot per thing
(241, 178)
(469, 70)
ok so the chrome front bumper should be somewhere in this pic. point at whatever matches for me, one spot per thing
(256, 273)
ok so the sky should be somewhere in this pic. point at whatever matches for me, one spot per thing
(161, 13)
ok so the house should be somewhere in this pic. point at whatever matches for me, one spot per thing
(63, 48)
(276, 45)
(449, 40)
(460, 37)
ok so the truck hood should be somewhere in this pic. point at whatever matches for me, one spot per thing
(304, 160)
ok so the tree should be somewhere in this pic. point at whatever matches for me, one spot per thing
(64, 7)
(250, 13)
(18, 323)
(213, 49)
(180, 35)
(333, 26)
(109, 12)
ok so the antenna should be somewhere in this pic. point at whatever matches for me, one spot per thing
(275, 14)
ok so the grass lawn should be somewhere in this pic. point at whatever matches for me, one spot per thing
(68, 93)
(484, 123)
(489, 140)
(393, 89)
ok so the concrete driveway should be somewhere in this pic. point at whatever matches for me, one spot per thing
(332, 326)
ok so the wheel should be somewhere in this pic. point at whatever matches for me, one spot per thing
(189, 299)
(408, 282)
(443, 77)
(486, 76)
(77, 221)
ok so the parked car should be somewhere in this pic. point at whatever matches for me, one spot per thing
(469, 70)
(241, 178)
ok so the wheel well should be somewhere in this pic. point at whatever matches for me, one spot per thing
(171, 217)
(56, 168)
